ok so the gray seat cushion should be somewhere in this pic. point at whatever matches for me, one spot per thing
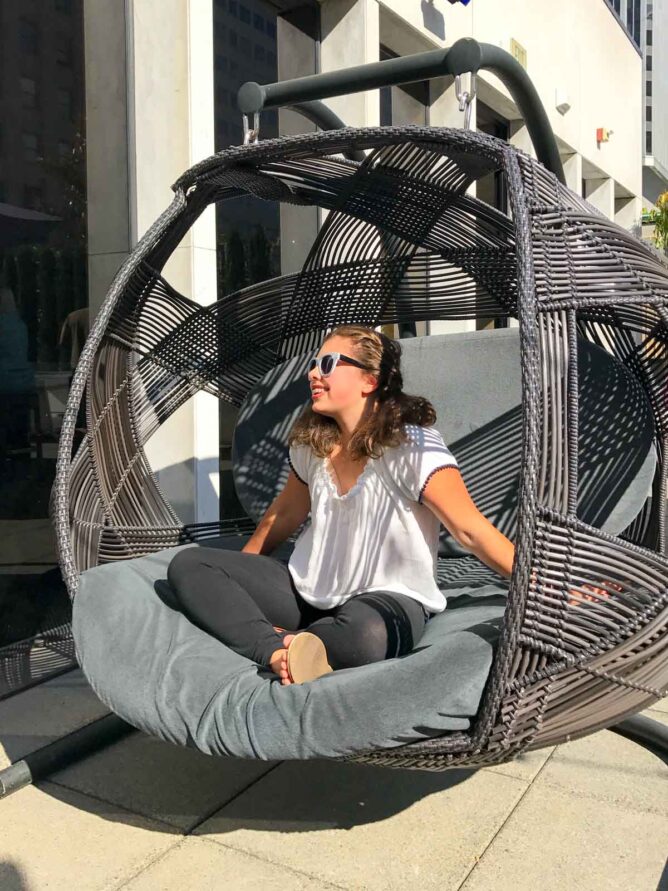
(473, 380)
(167, 677)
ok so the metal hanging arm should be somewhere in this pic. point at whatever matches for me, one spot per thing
(466, 55)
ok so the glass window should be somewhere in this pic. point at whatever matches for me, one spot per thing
(648, 113)
(63, 51)
(64, 98)
(648, 88)
(43, 310)
(648, 63)
(250, 244)
(233, 37)
(28, 37)
(32, 197)
(233, 8)
(30, 146)
(28, 92)
(648, 142)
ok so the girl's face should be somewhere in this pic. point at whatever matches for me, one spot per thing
(346, 387)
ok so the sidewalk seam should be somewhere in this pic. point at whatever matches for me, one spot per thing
(519, 801)
(173, 830)
(279, 865)
(124, 882)
(233, 798)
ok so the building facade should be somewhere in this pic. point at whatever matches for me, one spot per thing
(104, 103)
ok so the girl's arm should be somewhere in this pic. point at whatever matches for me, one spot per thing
(285, 514)
(447, 496)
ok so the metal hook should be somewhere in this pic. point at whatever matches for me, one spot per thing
(251, 135)
(465, 97)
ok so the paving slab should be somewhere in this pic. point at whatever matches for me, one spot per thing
(608, 767)
(525, 766)
(560, 841)
(57, 839)
(38, 716)
(366, 827)
(660, 706)
(160, 780)
(205, 866)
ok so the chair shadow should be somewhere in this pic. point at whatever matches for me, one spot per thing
(288, 797)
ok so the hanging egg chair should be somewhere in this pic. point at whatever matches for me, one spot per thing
(568, 460)
(559, 427)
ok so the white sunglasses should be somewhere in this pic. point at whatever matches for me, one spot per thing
(327, 363)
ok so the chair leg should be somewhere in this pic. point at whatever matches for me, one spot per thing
(58, 754)
(652, 735)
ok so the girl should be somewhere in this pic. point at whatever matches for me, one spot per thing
(378, 480)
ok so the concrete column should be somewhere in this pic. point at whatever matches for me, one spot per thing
(519, 137)
(149, 99)
(628, 211)
(573, 171)
(351, 36)
(601, 193)
(444, 112)
(107, 150)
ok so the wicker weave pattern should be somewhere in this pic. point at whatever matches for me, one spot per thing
(403, 241)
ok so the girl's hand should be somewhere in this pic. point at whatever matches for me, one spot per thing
(600, 592)
(577, 597)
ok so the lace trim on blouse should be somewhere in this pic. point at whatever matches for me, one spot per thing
(295, 472)
(424, 484)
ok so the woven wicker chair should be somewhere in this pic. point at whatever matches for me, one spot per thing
(555, 264)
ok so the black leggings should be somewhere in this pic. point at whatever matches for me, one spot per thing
(237, 597)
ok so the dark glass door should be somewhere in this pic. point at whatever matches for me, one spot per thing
(43, 317)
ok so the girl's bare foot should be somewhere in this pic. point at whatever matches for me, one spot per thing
(279, 660)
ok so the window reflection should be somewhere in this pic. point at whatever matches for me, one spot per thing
(249, 39)
(43, 318)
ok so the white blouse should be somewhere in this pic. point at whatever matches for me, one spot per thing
(378, 536)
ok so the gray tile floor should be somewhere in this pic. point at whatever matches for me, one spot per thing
(144, 814)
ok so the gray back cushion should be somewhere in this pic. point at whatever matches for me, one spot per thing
(473, 380)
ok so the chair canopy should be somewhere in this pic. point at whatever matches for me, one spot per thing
(405, 241)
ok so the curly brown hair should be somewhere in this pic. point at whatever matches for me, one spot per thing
(383, 427)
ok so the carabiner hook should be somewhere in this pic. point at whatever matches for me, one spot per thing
(465, 97)
(251, 134)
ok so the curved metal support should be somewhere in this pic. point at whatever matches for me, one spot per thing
(318, 113)
(465, 55)
(77, 745)
(650, 734)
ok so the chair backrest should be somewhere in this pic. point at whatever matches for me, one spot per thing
(473, 380)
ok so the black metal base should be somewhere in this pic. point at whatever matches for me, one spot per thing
(38, 765)
(652, 735)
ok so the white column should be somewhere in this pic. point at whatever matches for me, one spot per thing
(150, 119)
(107, 161)
(601, 193)
(351, 36)
(573, 171)
(444, 112)
(628, 212)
